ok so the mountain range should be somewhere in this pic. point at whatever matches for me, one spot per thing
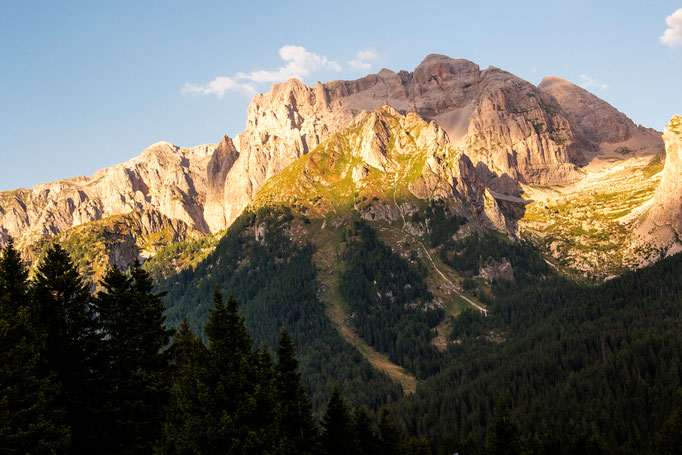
(532, 155)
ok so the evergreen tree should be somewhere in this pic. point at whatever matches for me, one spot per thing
(296, 421)
(184, 429)
(503, 431)
(62, 301)
(337, 427)
(392, 438)
(231, 376)
(365, 436)
(267, 406)
(30, 422)
(669, 438)
(132, 320)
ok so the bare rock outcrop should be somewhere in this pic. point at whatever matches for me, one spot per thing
(661, 223)
(165, 178)
(505, 129)
(510, 129)
(598, 122)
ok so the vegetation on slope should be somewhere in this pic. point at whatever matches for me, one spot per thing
(273, 277)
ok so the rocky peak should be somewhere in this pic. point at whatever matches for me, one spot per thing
(597, 119)
(508, 126)
(377, 164)
(440, 68)
(165, 178)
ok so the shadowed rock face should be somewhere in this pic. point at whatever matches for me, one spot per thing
(598, 121)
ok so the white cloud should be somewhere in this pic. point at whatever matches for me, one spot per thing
(359, 65)
(673, 34)
(218, 86)
(363, 60)
(300, 63)
(587, 82)
(367, 54)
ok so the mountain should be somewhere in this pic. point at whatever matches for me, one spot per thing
(527, 144)
(381, 165)
(168, 180)
(419, 235)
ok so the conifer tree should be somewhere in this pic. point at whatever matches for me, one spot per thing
(30, 422)
(184, 429)
(131, 317)
(365, 435)
(392, 439)
(231, 375)
(266, 405)
(296, 420)
(503, 431)
(669, 438)
(64, 313)
(337, 427)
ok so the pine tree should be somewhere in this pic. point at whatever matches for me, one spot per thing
(337, 427)
(365, 436)
(392, 438)
(62, 301)
(296, 420)
(29, 420)
(231, 375)
(669, 438)
(184, 429)
(132, 320)
(503, 431)
(266, 406)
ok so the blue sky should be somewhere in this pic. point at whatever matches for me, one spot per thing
(85, 85)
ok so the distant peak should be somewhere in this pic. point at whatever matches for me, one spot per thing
(161, 144)
(553, 81)
(435, 64)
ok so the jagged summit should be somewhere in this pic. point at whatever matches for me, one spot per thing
(382, 165)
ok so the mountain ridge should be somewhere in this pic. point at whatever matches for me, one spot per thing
(516, 136)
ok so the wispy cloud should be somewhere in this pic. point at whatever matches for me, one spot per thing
(363, 60)
(299, 64)
(587, 82)
(218, 87)
(673, 34)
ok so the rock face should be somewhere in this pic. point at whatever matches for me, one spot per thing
(510, 132)
(597, 121)
(661, 224)
(379, 165)
(164, 179)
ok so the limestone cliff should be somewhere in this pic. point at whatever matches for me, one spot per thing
(660, 225)
(165, 179)
(599, 122)
(505, 132)
(381, 166)
(513, 131)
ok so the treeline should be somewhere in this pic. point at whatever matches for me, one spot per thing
(85, 373)
(389, 301)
